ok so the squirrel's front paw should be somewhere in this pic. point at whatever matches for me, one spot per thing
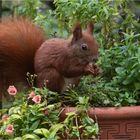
(92, 69)
(97, 70)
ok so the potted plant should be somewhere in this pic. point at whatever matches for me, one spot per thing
(112, 99)
(34, 115)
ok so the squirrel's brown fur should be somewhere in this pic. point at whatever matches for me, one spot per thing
(19, 40)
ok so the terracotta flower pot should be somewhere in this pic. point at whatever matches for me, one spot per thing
(121, 123)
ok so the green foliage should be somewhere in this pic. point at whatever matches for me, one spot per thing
(79, 124)
(41, 120)
(121, 64)
(101, 12)
(100, 93)
(128, 72)
(28, 8)
(84, 11)
(112, 18)
(50, 24)
(42, 15)
(51, 133)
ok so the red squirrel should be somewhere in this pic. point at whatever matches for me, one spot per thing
(60, 62)
(57, 62)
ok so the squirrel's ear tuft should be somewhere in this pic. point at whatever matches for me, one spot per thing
(77, 32)
(90, 27)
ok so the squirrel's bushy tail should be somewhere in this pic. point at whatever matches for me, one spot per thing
(19, 40)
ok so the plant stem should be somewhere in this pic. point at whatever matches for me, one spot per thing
(76, 121)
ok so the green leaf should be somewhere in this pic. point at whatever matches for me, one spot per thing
(18, 138)
(87, 120)
(2, 111)
(44, 139)
(35, 125)
(42, 131)
(51, 106)
(119, 70)
(30, 136)
(70, 115)
(137, 86)
(106, 12)
(90, 129)
(15, 110)
(53, 130)
(15, 117)
(83, 100)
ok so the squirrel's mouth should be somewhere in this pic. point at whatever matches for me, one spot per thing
(88, 59)
(92, 59)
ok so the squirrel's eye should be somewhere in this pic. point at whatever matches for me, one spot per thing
(84, 47)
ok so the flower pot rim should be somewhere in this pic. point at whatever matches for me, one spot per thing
(102, 113)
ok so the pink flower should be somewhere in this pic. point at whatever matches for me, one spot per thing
(31, 95)
(37, 99)
(12, 90)
(5, 117)
(9, 129)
